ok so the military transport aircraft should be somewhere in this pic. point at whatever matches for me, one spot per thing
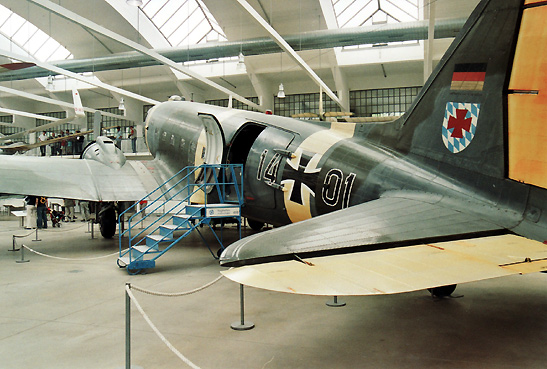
(453, 191)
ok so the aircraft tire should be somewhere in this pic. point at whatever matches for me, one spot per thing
(255, 224)
(107, 222)
(442, 291)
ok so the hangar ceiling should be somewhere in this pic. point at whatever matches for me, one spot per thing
(165, 25)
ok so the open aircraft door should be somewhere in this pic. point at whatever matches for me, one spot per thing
(263, 151)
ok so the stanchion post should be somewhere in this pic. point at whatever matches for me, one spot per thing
(241, 325)
(36, 239)
(13, 244)
(22, 256)
(335, 303)
(92, 229)
(127, 328)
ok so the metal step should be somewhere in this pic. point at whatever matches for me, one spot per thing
(168, 229)
(153, 239)
(146, 249)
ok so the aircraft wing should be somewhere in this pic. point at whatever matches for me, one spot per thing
(382, 246)
(72, 178)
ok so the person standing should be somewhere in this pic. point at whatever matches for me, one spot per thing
(31, 211)
(133, 138)
(69, 206)
(41, 210)
(69, 145)
(84, 206)
(118, 137)
(53, 146)
(79, 144)
(63, 144)
(42, 138)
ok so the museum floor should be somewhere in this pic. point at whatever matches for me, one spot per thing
(57, 313)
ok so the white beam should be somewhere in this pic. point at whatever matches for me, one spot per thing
(47, 100)
(429, 11)
(26, 114)
(76, 76)
(73, 17)
(288, 49)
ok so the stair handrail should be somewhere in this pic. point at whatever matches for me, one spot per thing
(148, 196)
(167, 214)
(197, 187)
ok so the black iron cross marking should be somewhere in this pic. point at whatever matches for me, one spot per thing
(300, 177)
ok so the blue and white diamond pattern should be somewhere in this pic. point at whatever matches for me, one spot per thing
(454, 144)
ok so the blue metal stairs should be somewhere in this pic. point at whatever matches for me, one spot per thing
(192, 198)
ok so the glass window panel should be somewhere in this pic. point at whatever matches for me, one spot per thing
(46, 50)
(12, 25)
(4, 14)
(24, 33)
(179, 23)
(36, 42)
(166, 13)
(183, 22)
(199, 32)
(341, 5)
(152, 7)
(60, 54)
(398, 13)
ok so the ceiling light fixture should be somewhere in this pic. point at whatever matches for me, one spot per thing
(241, 62)
(50, 86)
(281, 92)
(122, 104)
(134, 2)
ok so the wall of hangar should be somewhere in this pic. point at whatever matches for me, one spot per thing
(363, 103)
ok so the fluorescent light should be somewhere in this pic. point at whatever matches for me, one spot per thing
(134, 2)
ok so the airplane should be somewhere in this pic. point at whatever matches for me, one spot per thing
(11, 147)
(443, 195)
(452, 192)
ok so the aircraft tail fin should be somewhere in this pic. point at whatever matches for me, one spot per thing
(78, 108)
(470, 112)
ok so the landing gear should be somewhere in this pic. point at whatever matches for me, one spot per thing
(442, 291)
(107, 221)
(255, 225)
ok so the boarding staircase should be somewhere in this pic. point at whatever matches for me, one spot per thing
(195, 197)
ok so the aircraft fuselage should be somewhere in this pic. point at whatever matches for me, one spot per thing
(295, 170)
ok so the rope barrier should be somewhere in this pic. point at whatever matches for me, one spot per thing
(70, 259)
(158, 333)
(176, 294)
(17, 236)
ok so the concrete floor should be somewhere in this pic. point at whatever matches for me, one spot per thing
(71, 314)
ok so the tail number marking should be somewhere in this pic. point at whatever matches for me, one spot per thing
(332, 188)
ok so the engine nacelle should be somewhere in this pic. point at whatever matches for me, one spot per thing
(104, 151)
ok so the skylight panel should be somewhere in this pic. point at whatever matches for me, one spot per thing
(60, 54)
(166, 13)
(46, 50)
(356, 13)
(183, 22)
(24, 33)
(12, 25)
(152, 7)
(34, 43)
(29, 38)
